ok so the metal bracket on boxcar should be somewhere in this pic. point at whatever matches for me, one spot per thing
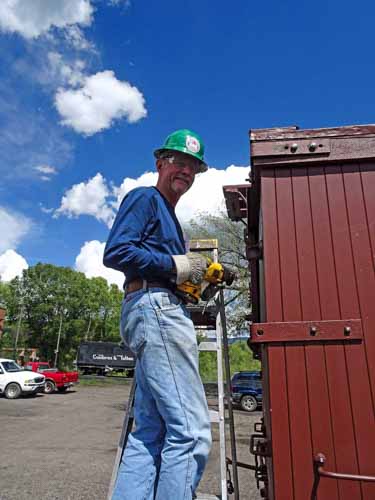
(260, 448)
(254, 252)
(292, 147)
(259, 445)
(255, 348)
(342, 330)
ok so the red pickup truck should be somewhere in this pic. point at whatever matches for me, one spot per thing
(55, 379)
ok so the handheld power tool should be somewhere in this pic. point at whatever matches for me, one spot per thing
(216, 274)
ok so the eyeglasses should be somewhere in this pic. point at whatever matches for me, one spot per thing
(179, 163)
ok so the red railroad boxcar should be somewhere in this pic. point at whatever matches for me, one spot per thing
(310, 209)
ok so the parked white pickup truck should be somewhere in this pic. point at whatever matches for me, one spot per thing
(15, 381)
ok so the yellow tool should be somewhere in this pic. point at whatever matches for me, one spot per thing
(216, 274)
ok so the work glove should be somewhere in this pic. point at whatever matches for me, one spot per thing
(190, 267)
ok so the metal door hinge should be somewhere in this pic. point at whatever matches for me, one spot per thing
(260, 447)
(254, 252)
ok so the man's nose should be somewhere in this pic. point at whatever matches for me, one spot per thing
(189, 169)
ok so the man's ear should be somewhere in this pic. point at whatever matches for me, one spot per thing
(159, 165)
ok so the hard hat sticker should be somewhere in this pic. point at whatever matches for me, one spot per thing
(192, 144)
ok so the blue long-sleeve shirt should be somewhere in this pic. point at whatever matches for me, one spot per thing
(144, 236)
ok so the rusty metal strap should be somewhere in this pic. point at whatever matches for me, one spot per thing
(242, 464)
(319, 461)
(307, 331)
(292, 147)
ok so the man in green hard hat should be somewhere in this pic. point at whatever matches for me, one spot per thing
(166, 454)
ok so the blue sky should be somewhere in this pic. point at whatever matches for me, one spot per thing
(89, 88)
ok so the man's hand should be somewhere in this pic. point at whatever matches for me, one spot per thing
(190, 267)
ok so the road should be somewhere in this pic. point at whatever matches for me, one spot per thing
(62, 446)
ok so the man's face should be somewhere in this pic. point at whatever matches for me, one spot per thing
(177, 172)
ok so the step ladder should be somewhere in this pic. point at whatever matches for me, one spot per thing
(211, 318)
(218, 417)
(223, 384)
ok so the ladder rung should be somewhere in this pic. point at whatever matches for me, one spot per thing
(203, 245)
(202, 496)
(207, 346)
(214, 416)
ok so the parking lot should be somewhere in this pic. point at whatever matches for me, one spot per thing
(62, 446)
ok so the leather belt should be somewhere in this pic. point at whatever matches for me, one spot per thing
(138, 284)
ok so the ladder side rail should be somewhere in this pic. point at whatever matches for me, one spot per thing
(126, 429)
(220, 383)
(228, 394)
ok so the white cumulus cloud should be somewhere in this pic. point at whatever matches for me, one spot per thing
(90, 262)
(32, 18)
(11, 265)
(146, 179)
(87, 198)
(99, 101)
(67, 73)
(13, 227)
(76, 38)
(95, 198)
(45, 169)
(205, 195)
(45, 172)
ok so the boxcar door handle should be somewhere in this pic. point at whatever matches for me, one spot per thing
(319, 461)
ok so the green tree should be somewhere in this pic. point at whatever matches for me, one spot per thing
(7, 337)
(4, 292)
(60, 303)
(240, 359)
(104, 311)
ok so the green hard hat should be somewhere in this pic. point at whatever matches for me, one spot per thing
(187, 142)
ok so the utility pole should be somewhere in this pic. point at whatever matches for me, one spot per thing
(58, 341)
(17, 333)
(88, 328)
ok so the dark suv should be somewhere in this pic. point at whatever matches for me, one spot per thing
(246, 389)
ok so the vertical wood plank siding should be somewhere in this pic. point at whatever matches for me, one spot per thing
(295, 357)
(324, 383)
(319, 415)
(275, 381)
(355, 359)
(363, 363)
(319, 262)
(368, 186)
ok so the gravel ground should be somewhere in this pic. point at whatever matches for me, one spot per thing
(62, 446)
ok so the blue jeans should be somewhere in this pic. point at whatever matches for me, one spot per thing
(166, 453)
